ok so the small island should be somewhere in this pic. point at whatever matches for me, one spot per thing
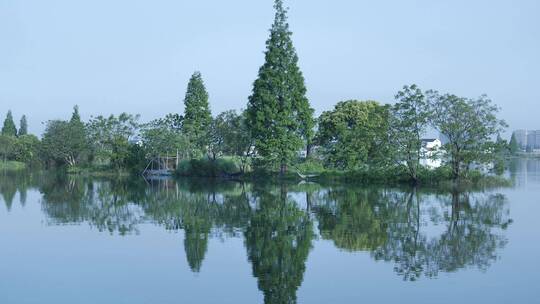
(277, 135)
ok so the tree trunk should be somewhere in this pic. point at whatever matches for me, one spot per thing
(308, 149)
(283, 169)
(455, 169)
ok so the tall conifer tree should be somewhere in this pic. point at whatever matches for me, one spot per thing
(9, 128)
(78, 144)
(278, 112)
(514, 146)
(23, 128)
(197, 115)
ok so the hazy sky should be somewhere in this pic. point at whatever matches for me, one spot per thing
(136, 56)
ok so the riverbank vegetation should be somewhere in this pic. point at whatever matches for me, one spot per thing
(277, 134)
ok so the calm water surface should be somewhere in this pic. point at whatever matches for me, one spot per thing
(78, 240)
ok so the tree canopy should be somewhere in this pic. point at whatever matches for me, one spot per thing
(66, 141)
(278, 113)
(197, 116)
(514, 146)
(409, 120)
(23, 128)
(354, 133)
(9, 128)
(470, 126)
(109, 138)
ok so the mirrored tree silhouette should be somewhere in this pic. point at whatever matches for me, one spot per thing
(278, 240)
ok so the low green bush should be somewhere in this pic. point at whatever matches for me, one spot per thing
(310, 166)
(12, 165)
(205, 167)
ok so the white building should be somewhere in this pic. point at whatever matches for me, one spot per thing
(431, 150)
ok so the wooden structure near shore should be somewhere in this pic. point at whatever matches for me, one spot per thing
(161, 166)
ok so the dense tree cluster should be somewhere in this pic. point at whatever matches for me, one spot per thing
(18, 145)
(277, 131)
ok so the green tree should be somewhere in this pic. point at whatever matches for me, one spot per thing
(78, 137)
(513, 146)
(278, 113)
(160, 137)
(410, 118)
(23, 128)
(7, 147)
(470, 126)
(354, 134)
(65, 142)
(109, 138)
(230, 136)
(9, 128)
(27, 148)
(197, 116)
(173, 121)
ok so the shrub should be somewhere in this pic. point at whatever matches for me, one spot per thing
(310, 166)
(205, 167)
(12, 165)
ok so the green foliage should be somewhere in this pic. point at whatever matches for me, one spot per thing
(22, 149)
(65, 142)
(109, 138)
(136, 158)
(310, 165)
(26, 149)
(409, 120)
(205, 167)
(9, 128)
(23, 128)
(173, 121)
(230, 136)
(469, 125)
(197, 116)
(12, 165)
(7, 147)
(161, 138)
(278, 114)
(513, 146)
(354, 134)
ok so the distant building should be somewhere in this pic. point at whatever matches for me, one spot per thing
(521, 138)
(531, 140)
(431, 149)
(528, 140)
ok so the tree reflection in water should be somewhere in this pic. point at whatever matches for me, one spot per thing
(421, 232)
(394, 226)
(278, 240)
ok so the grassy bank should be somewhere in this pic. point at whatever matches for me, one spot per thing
(392, 175)
(97, 171)
(12, 166)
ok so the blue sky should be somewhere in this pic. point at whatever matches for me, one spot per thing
(136, 56)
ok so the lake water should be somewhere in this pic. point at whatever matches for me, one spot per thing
(81, 240)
